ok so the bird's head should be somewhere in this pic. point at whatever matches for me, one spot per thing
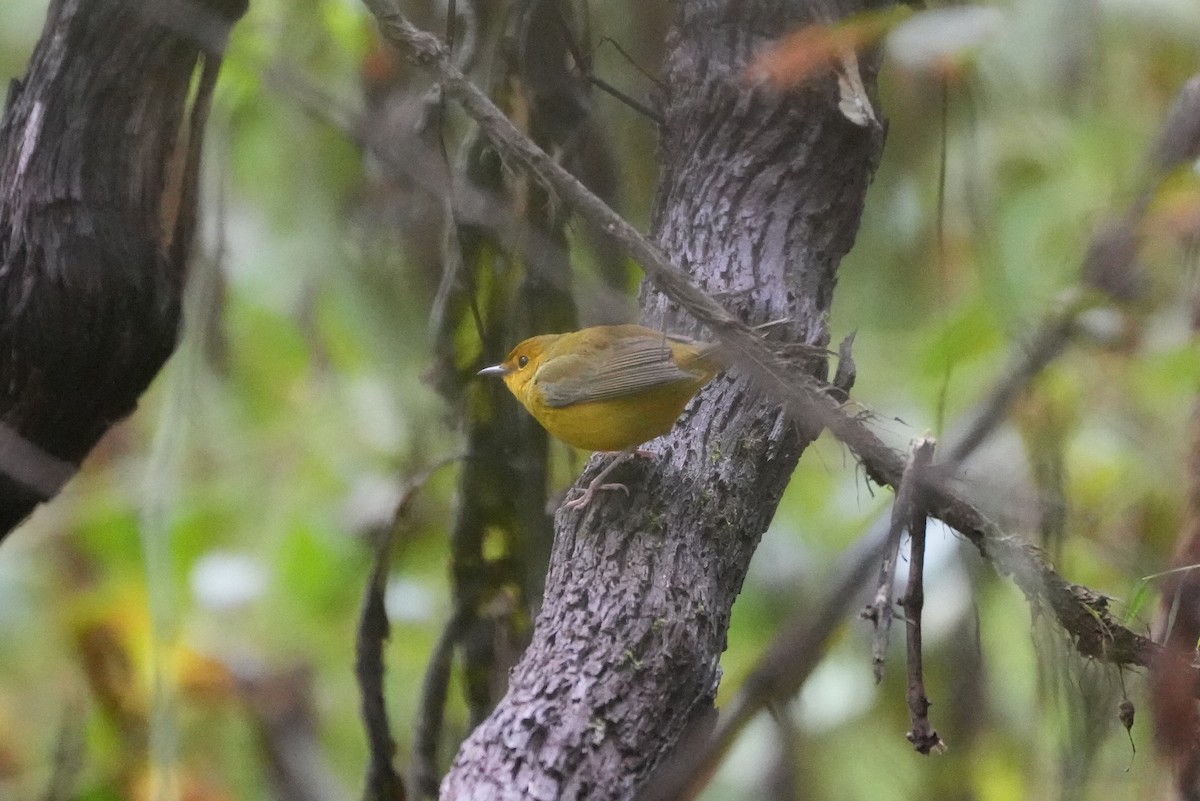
(521, 362)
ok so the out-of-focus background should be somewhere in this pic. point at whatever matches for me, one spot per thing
(233, 513)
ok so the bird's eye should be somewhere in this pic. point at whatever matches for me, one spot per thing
(522, 361)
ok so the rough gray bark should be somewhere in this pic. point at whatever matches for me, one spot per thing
(761, 197)
(97, 209)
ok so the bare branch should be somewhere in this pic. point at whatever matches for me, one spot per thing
(921, 735)
(905, 511)
(382, 781)
(1082, 612)
(431, 712)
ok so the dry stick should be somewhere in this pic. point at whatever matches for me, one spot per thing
(382, 781)
(435, 689)
(645, 73)
(633, 103)
(1080, 611)
(585, 69)
(921, 735)
(880, 611)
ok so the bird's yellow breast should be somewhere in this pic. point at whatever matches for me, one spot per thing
(607, 388)
(616, 423)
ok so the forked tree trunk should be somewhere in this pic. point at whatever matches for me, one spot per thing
(98, 167)
(761, 195)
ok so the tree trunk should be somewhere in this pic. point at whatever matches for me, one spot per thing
(761, 196)
(97, 208)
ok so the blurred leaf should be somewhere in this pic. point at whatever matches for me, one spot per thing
(798, 56)
(940, 39)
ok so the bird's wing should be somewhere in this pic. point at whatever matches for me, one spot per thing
(629, 365)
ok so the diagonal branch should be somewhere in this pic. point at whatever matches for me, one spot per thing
(1082, 612)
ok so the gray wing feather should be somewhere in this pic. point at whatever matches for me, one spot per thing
(632, 365)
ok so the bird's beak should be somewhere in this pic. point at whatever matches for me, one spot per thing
(495, 369)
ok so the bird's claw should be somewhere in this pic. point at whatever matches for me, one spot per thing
(586, 498)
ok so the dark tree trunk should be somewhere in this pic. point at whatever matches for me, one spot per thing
(97, 209)
(761, 197)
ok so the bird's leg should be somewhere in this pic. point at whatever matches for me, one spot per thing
(597, 482)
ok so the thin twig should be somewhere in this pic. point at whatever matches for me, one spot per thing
(634, 104)
(382, 781)
(880, 611)
(654, 79)
(585, 68)
(921, 735)
(435, 689)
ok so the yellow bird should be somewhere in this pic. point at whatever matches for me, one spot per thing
(607, 388)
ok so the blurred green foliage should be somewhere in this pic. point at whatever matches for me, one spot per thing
(281, 433)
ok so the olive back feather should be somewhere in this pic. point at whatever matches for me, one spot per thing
(623, 366)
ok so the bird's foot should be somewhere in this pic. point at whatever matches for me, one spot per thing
(598, 482)
(592, 488)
